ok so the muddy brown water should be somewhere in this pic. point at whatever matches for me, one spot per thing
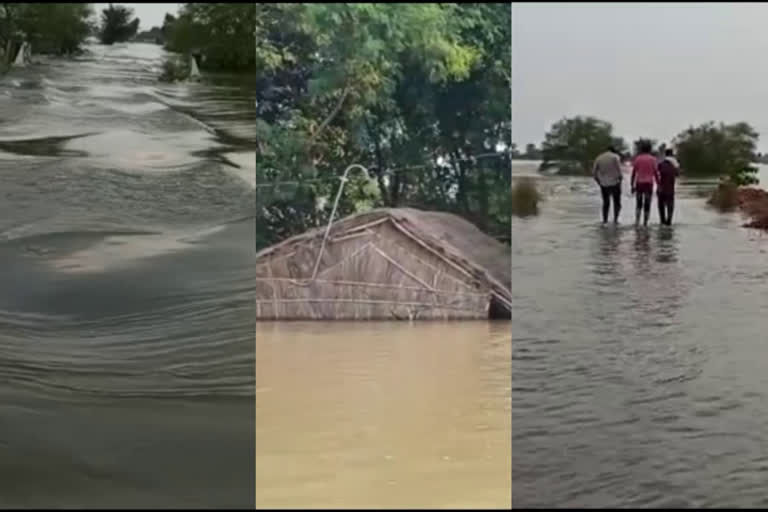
(383, 414)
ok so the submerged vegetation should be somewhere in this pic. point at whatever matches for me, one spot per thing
(57, 29)
(221, 34)
(525, 198)
(175, 69)
(709, 150)
(572, 144)
(719, 150)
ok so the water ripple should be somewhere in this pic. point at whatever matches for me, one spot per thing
(126, 304)
(636, 372)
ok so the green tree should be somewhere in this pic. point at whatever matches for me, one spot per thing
(411, 91)
(56, 28)
(719, 150)
(117, 25)
(49, 28)
(532, 152)
(168, 22)
(573, 143)
(223, 34)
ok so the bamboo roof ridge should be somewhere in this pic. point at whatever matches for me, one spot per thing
(471, 255)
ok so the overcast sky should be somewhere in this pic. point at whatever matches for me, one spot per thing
(651, 69)
(150, 15)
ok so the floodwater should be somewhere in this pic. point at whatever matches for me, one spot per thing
(126, 302)
(638, 356)
(383, 415)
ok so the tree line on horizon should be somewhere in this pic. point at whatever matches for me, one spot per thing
(222, 35)
(707, 150)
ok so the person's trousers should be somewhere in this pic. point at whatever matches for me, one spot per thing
(666, 201)
(608, 193)
(643, 195)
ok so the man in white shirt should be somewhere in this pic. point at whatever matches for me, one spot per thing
(608, 175)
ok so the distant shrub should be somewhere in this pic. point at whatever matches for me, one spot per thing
(719, 149)
(525, 198)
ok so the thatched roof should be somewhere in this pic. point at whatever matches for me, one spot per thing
(448, 235)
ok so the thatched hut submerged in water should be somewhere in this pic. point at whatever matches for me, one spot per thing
(386, 264)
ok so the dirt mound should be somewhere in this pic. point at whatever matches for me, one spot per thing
(754, 203)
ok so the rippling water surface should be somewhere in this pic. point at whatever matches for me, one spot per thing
(126, 324)
(638, 356)
(382, 414)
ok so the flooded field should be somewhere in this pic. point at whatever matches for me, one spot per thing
(126, 306)
(637, 364)
(382, 414)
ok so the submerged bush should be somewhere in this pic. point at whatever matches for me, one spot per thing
(719, 149)
(725, 197)
(572, 144)
(525, 198)
(175, 69)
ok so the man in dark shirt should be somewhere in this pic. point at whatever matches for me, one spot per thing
(669, 170)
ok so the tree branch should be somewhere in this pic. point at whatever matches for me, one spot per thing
(330, 117)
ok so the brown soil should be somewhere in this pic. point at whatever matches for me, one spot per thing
(754, 203)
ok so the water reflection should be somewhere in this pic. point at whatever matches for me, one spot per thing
(668, 245)
(636, 381)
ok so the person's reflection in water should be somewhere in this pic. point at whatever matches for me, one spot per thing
(667, 245)
(657, 279)
(606, 257)
(642, 255)
(607, 286)
(610, 239)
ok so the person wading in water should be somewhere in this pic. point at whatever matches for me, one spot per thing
(669, 170)
(644, 174)
(608, 175)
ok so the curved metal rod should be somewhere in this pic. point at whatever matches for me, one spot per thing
(333, 213)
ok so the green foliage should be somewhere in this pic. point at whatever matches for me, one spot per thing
(411, 91)
(175, 69)
(223, 34)
(116, 24)
(364, 43)
(719, 149)
(49, 28)
(525, 198)
(573, 143)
